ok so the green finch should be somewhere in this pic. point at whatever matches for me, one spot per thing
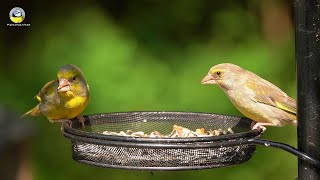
(253, 96)
(63, 98)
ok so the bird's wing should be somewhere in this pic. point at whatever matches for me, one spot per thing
(269, 94)
(48, 94)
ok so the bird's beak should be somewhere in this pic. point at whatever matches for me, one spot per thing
(208, 79)
(64, 85)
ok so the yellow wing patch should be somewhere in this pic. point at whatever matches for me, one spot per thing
(38, 98)
(286, 108)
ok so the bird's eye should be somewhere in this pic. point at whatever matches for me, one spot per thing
(74, 78)
(218, 73)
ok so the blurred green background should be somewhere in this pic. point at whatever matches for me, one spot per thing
(146, 55)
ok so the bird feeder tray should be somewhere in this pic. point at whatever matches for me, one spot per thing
(91, 146)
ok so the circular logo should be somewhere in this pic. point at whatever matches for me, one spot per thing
(17, 15)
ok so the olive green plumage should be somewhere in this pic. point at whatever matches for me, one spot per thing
(65, 97)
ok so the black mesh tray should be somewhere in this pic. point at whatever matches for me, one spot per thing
(90, 146)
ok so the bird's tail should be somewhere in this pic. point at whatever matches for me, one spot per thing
(33, 112)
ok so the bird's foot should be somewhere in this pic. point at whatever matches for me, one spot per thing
(260, 126)
(81, 120)
(68, 121)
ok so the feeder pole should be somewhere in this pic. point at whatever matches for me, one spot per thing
(307, 38)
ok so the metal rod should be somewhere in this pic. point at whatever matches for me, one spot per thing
(307, 25)
(287, 148)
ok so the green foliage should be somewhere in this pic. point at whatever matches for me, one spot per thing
(150, 60)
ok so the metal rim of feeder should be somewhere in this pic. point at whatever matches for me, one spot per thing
(124, 152)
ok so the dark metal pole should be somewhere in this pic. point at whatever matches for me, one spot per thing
(307, 29)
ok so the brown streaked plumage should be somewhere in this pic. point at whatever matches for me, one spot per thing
(253, 96)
